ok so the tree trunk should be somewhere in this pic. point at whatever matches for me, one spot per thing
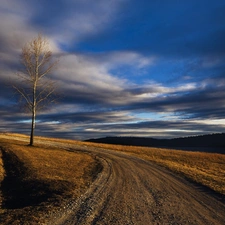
(33, 110)
(32, 128)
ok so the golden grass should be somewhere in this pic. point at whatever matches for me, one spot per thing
(205, 168)
(2, 171)
(61, 173)
(54, 164)
(68, 174)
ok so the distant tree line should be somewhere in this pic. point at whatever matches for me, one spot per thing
(202, 141)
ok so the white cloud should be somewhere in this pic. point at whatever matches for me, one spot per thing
(219, 122)
(91, 75)
(81, 19)
(86, 18)
(154, 89)
(78, 71)
(16, 28)
(128, 58)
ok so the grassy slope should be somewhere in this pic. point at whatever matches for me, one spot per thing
(39, 178)
(207, 169)
(70, 173)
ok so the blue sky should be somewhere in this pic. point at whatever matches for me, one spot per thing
(127, 68)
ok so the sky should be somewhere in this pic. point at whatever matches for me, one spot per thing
(126, 67)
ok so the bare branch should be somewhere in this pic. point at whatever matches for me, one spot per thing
(25, 96)
(36, 91)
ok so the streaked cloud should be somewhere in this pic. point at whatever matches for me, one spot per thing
(144, 68)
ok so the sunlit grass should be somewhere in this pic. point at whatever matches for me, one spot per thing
(2, 172)
(55, 165)
(68, 174)
(205, 168)
(52, 172)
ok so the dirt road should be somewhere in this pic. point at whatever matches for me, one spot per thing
(130, 190)
(133, 191)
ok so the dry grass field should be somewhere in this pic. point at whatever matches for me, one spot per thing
(207, 169)
(48, 175)
(40, 178)
(204, 168)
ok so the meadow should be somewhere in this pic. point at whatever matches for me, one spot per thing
(207, 169)
(36, 180)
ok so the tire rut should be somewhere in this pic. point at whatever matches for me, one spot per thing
(130, 190)
(134, 191)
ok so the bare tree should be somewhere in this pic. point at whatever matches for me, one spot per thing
(35, 88)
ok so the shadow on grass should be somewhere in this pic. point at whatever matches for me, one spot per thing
(18, 188)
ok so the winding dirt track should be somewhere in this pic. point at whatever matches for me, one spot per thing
(133, 191)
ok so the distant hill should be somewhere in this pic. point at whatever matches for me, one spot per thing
(208, 143)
